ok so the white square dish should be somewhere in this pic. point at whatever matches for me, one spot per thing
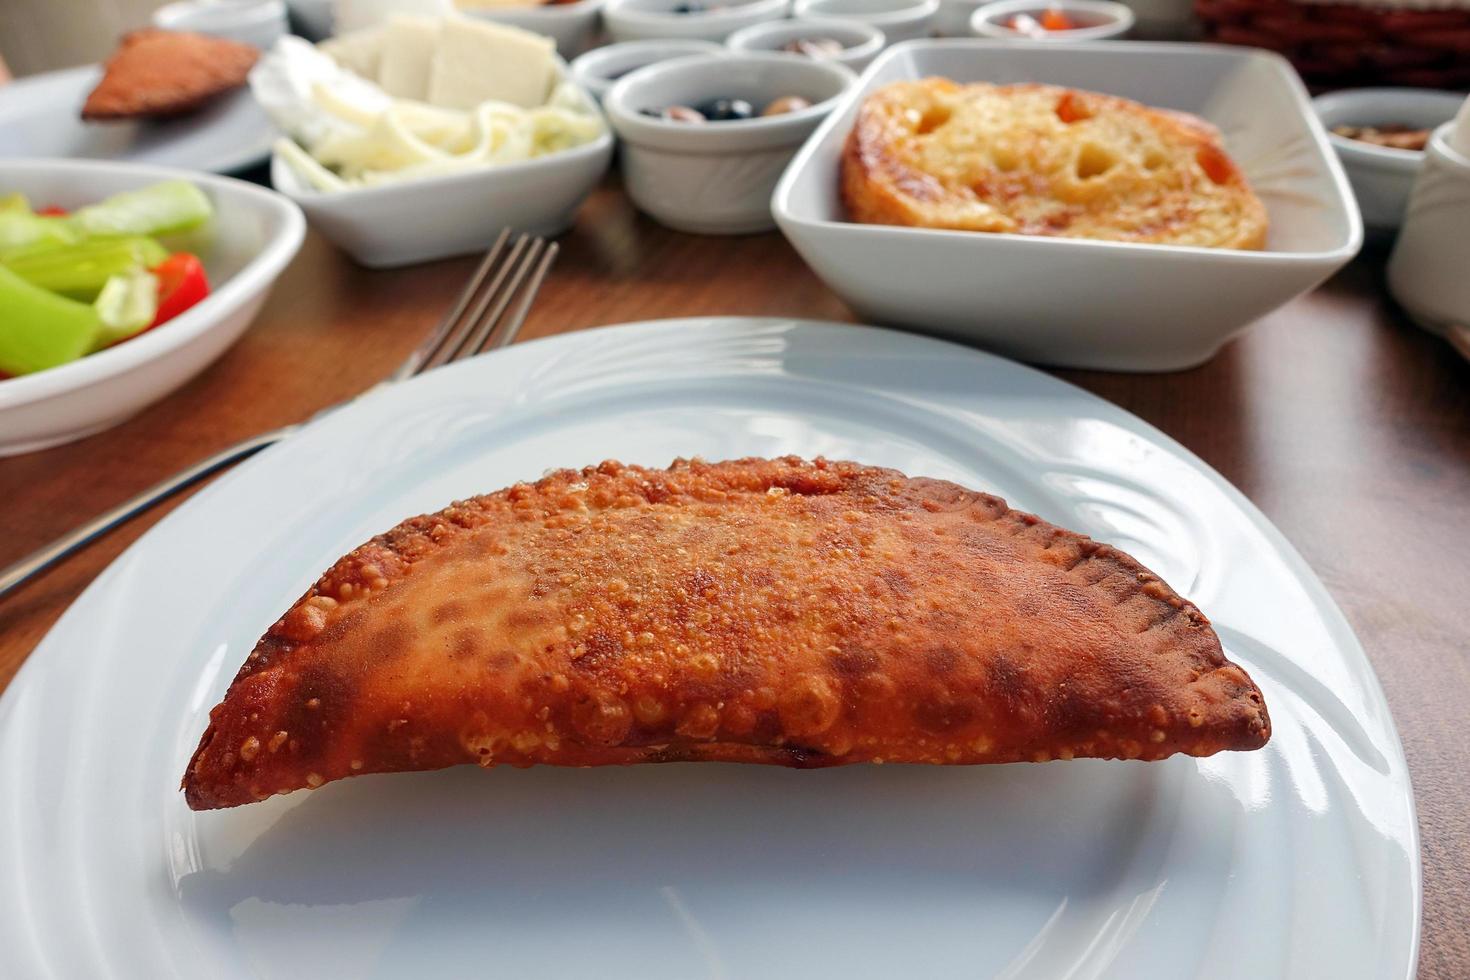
(1074, 302)
(409, 221)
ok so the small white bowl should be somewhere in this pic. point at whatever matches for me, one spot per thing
(1101, 20)
(899, 20)
(258, 22)
(253, 237)
(1112, 306)
(716, 178)
(599, 68)
(1382, 177)
(953, 19)
(640, 20)
(571, 25)
(860, 42)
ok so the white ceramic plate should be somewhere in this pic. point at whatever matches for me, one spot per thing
(40, 117)
(253, 237)
(1299, 860)
(1114, 306)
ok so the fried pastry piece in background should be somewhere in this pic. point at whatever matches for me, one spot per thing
(158, 74)
(1041, 160)
(777, 611)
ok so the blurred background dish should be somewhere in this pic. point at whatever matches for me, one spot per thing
(599, 68)
(312, 19)
(707, 20)
(573, 25)
(1088, 304)
(253, 236)
(857, 42)
(1427, 272)
(716, 178)
(257, 22)
(953, 18)
(1341, 43)
(1052, 20)
(1382, 176)
(39, 118)
(899, 20)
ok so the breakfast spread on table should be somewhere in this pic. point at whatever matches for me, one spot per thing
(419, 97)
(1051, 19)
(1044, 160)
(774, 611)
(74, 283)
(162, 74)
(792, 611)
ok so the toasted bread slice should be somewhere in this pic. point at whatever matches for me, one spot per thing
(157, 74)
(1042, 160)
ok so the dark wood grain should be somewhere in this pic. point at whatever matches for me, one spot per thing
(1347, 426)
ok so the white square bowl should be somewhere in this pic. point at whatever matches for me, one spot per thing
(404, 222)
(1073, 302)
(252, 238)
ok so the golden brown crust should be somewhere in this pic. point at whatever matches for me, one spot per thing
(778, 611)
(157, 74)
(1041, 160)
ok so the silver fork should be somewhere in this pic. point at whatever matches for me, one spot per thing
(477, 323)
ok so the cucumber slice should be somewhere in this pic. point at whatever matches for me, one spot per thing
(174, 205)
(127, 305)
(39, 329)
(21, 229)
(80, 271)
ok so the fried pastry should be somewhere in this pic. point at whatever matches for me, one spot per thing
(777, 611)
(1041, 160)
(158, 74)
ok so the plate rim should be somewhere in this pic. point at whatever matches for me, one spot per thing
(685, 325)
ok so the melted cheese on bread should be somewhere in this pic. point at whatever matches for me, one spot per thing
(1042, 160)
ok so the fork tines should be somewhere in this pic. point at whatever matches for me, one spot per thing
(514, 267)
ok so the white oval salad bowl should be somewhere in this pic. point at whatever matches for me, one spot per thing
(253, 235)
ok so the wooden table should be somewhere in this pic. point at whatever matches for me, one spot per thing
(1346, 425)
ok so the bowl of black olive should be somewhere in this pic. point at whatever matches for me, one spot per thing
(704, 139)
(706, 20)
(847, 42)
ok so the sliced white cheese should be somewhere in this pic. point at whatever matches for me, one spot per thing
(479, 61)
(409, 45)
(360, 52)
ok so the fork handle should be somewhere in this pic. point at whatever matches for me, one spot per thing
(44, 558)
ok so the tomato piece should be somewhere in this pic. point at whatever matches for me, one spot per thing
(181, 283)
(1216, 165)
(52, 211)
(1055, 20)
(1072, 107)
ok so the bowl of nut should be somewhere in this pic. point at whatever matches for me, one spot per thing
(852, 43)
(1379, 135)
(704, 139)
